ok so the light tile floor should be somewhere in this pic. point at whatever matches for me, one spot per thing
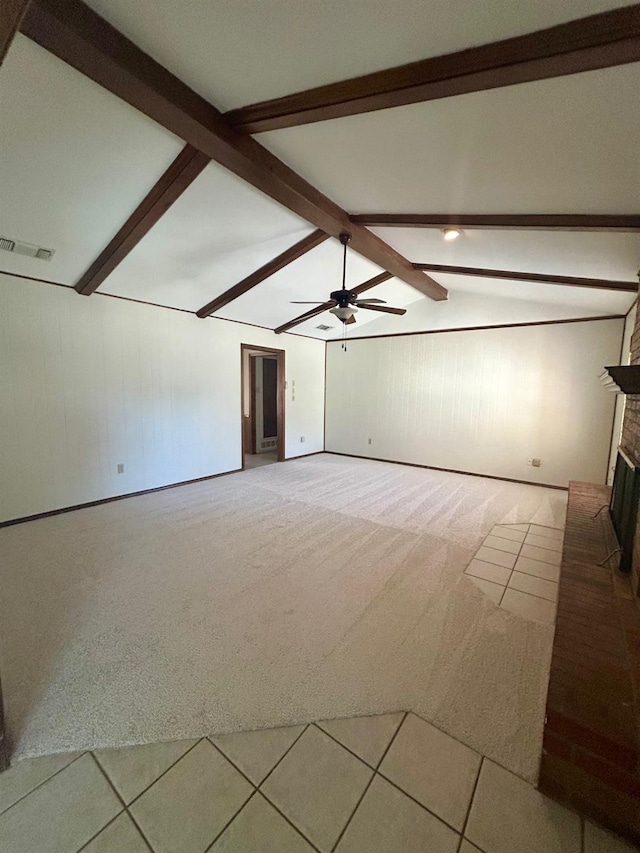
(518, 567)
(257, 460)
(387, 784)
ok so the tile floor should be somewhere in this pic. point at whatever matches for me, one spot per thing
(257, 460)
(518, 567)
(386, 784)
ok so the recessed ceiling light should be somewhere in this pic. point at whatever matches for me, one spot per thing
(451, 233)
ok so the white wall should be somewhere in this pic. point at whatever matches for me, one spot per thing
(90, 382)
(479, 401)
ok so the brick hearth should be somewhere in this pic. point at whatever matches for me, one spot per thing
(591, 752)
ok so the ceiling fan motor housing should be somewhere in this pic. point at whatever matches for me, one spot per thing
(344, 297)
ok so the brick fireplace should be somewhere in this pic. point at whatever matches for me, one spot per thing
(591, 751)
(630, 443)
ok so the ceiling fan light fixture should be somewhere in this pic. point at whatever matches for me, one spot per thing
(451, 234)
(343, 312)
(344, 302)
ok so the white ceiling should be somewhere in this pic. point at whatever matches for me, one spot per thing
(218, 232)
(584, 254)
(75, 162)
(485, 307)
(237, 52)
(590, 299)
(482, 302)
(314, 279)
(566, 145)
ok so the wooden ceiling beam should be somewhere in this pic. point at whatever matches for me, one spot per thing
(76, 34)
(308, 315)
(598, 41)
(616, 223)
(181, 173)
(11, 14)
(513, 275)
(282, 260)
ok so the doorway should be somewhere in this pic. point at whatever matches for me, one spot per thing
(263, 392)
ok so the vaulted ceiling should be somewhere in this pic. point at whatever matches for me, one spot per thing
(78, 161)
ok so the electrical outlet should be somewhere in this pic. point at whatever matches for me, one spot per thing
(369, 441)
(301, 439)
(535, 463)
(120, 467)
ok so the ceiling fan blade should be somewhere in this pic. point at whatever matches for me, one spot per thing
(313, 312)
(315, 302)
(385, 308)
(352, 319)
(367, 301)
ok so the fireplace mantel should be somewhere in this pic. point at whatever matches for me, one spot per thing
(622, 378)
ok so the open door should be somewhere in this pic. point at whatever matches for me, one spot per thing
(263, 395)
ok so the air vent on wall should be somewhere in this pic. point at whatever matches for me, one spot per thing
(324, 328)
(27, 249)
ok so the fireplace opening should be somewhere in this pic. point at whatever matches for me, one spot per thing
(623, 507)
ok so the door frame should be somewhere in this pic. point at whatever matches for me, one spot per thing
(4, 743)
(256, 349)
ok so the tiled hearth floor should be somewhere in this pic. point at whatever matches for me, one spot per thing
(518, 567)
(386, 784)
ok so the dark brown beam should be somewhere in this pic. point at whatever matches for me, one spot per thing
(599, 41)
(512, 275)
(481, 329)
(11, 14)
(503, 222)
(180, 174)
(360, 288)
(74, 33)
(288, 256)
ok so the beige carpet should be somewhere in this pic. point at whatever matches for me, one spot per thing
(295, 592)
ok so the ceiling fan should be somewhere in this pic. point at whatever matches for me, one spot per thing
(345, 303)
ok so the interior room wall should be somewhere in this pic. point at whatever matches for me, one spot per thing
(484, 401)
(87, 384)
